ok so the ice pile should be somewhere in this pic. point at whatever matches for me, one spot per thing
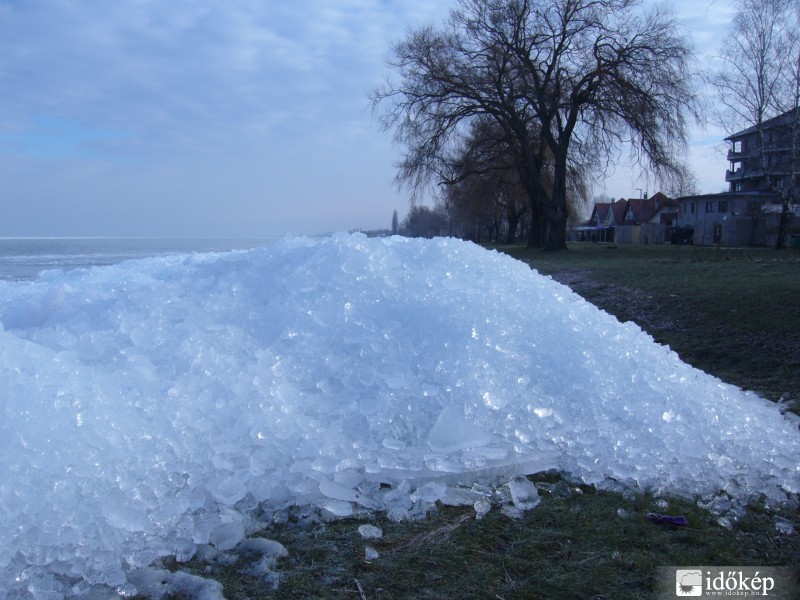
(150, 407)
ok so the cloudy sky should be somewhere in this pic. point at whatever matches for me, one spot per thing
(221, 117)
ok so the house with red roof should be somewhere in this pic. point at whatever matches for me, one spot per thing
(632, 220)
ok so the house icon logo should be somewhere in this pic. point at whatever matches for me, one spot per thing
(688, 583)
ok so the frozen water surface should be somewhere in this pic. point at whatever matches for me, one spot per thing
(148, 408)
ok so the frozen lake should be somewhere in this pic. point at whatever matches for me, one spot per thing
(25, 258)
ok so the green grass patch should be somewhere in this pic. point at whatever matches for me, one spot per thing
(734, 313)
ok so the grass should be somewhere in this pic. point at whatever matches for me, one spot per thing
(574, 545)
(734, 313)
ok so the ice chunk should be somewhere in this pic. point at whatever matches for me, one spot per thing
(338, 508)
(482, 507)
(262, 546)
(452, 432)
(429, 492)
(394, 444)
(370, 532)
(227, 536)
(511, 511)
(784, 526)
(227, 490)
(334, 490)
(523, 493)
(267, 553)
(125, 516)
(458, 496)
(158, 584)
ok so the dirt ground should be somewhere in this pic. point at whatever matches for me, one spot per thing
(626, 302)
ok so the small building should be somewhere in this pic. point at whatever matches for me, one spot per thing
(600, 227)
(630, 221)
(607, 214)
(648, 220)
(726, 219)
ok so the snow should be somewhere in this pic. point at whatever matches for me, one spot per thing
(152, 408)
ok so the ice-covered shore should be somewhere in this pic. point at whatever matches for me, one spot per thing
(149, 407)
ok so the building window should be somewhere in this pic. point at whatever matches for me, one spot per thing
(692, 205)
(709, 207)
(723, 206)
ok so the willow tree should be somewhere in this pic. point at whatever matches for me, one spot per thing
(568, 81)
(482, 174)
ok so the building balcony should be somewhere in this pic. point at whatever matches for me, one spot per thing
(751, 173)
(781, 148)
(735, 156)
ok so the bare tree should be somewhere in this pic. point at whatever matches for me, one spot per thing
(684, 184)
(484, 175)
(570, 81)
(758, 81)
(483, 190)
(423, 221)
(749, 79)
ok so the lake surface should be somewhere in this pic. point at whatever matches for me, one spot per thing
(25, 258)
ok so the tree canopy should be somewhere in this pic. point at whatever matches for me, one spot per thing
(567, 82)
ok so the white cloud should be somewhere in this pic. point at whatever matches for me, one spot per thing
(273, 93)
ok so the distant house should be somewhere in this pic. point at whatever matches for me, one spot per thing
(606, 214)
(758, 154)
(726, 219)
(601, 223)
(633, 220)
(658, 209)
(762, 163)
(749, 212)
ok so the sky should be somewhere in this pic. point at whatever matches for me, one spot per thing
(225, 118)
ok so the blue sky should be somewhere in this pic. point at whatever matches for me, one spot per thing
(221, 117)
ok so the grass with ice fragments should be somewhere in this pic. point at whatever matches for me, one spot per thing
(578, 543)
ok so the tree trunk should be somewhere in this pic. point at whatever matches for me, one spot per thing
(783, 224)
(557, 229)
(513, 225)
(536, 233)
(557, 209)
